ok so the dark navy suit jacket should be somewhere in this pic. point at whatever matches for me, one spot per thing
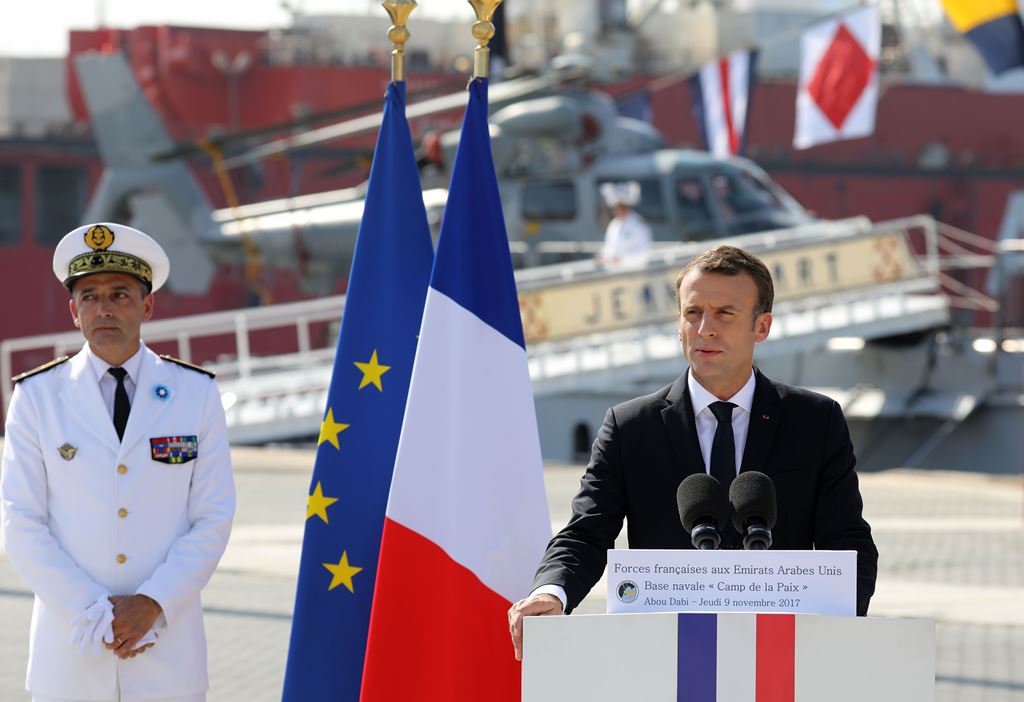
(649, 444)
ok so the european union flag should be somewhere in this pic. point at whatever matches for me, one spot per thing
(362, 422)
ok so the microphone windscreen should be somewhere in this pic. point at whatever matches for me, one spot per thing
(752, 494)
(700, 499)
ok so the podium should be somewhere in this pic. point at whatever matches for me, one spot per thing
(704, 657)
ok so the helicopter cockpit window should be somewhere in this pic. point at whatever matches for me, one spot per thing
(651, 206)
(690, 200)
(10, 205)
(739, 194)
(549, 201)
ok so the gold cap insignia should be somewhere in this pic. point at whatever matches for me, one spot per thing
(67, 451)
(99, 237)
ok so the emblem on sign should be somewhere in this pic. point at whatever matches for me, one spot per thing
(99, 237)
(67, 451)
(627, 591)
(174, 449)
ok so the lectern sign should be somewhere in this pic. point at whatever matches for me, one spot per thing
(805, 582)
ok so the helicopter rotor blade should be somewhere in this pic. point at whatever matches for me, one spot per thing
(499, 93)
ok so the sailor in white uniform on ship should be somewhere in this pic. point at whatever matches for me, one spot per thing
(116, 491)
(628, 237)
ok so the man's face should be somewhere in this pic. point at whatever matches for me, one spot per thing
(109, 308)
(718, 330)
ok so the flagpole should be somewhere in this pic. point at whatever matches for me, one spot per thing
(483, 31)
(399, 11)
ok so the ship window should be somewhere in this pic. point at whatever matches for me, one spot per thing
(60, 201)
(549, 201)
(10, 205)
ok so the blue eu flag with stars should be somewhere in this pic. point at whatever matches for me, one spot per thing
(362, 421)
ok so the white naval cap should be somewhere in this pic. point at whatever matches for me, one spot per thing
(106, 247)
(621, 193)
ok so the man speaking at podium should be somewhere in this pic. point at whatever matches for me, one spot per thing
(721, 417)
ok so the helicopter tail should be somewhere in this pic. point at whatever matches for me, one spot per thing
(162, 198)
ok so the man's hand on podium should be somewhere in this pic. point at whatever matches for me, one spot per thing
(535, 605)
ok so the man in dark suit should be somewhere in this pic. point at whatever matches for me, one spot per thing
(720, 417)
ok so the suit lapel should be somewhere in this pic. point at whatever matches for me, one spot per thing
(83, 396)
(682, 428)
(147, 407)
(764, 421)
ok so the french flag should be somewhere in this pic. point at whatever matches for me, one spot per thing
(721, 101)
(467, 519)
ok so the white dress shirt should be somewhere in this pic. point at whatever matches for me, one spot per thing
(108, 383)
(707, 424)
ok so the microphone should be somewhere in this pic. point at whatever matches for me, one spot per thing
(752, 498)
(702, 510)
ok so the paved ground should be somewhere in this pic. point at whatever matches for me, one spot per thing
(952, 550)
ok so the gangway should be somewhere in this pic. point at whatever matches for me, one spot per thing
(588, 329)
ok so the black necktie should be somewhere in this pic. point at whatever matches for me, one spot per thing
(723, 448)
(122, 406)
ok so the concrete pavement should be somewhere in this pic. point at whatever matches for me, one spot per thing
(951, 549)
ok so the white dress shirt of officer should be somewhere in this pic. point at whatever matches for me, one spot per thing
(90, 518)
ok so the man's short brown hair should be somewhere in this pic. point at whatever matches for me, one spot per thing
(730, 260)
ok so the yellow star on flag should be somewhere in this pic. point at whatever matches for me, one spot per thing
(317, 504)
(342, 573)
(329, 429)
(372, 372)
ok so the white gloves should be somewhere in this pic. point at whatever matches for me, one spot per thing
(94, 627)
(91, 627)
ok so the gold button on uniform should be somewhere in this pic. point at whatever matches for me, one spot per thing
(121, 558)
(122, 513)
(122, 469)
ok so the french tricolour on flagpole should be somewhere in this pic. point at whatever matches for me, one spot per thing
(362, 422)
(467, 519)
(721, 93)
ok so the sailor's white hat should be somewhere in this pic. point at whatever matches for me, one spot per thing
(621, 193)
(107, 247)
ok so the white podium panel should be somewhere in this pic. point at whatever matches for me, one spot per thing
(700, 657)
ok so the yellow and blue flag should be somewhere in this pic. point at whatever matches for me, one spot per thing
(362, 423)
(994, 27)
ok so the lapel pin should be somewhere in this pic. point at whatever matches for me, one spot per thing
(161, 392)
(765, 417)
(67, 451)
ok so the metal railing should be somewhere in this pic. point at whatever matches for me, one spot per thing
(548, 359)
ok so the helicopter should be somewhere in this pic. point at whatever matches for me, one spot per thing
(555, 141)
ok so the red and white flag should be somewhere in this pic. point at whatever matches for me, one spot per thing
(838, 89)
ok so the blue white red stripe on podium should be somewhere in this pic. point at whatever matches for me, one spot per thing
(736, 658)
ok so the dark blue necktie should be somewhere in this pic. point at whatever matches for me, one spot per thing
(723, 448)
(121, 404)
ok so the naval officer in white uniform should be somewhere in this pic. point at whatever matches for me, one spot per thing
(628, 236)
(116, 490)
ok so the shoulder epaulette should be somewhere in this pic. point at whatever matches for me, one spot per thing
(41, 369)
(190, 366)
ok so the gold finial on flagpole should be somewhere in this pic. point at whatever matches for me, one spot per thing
(483, 31)
(399, 11)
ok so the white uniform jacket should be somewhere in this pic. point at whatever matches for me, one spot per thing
(627, 239)
(117, 518)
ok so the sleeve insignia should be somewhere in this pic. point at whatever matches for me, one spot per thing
(41, 369)
(186, 364)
